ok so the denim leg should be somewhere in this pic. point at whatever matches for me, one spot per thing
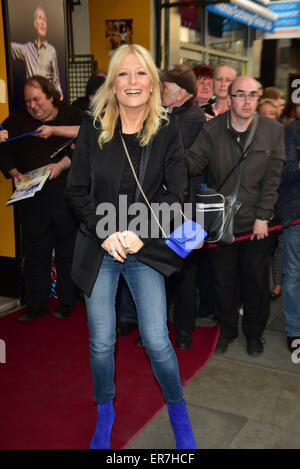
(147, 287)
(291, 279)
(102, 329)
(125, 306)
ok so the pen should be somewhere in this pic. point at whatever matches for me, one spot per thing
(21, 136)
(67, 144)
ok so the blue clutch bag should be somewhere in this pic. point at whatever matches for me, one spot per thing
(187, 237)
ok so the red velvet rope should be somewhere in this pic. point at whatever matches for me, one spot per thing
(248, 236)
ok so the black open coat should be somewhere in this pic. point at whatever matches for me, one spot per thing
(95, 178)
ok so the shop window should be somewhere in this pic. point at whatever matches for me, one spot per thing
(192, 25)
(226, 35)
(192, 62)
(239, 65)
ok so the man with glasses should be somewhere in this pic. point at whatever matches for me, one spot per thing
(241, 269)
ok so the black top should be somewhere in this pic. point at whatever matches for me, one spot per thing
(288, 206)
(32, 152)
(128, 183)
(95, 177)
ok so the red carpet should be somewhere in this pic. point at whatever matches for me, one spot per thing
(46, 386)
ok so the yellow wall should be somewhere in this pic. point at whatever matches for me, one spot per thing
(101, 10)
(7, 237)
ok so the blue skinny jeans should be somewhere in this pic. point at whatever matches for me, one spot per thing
(147, 287)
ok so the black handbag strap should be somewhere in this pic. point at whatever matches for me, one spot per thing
(248, 142)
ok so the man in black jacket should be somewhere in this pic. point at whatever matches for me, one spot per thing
(46, 220)
(241, 269)
(179, 86)
(288, 210)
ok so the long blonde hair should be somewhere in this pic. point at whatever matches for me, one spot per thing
(105, 108)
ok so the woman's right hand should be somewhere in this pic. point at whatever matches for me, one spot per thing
(132, 242)
(115, 246)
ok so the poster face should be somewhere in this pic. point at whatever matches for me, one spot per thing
(36, 44)
(118, 32)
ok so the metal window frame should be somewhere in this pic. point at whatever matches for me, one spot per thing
(165, 5)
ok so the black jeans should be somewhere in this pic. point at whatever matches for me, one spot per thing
(47, 224)
(184, 289)
(196, 276)
(241, 273)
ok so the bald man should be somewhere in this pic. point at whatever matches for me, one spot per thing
(241, 269)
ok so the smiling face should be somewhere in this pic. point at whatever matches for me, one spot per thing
(132, 85)
(268, 110)
(40, 23)
(204, 89)
(38, 105)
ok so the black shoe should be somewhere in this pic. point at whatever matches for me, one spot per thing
(32, 313)
(138, 341)
(183, 340)
(63, 311)
(222, 344)
(125, 328)
(255, 346)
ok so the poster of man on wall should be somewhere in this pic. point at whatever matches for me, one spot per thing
(118, 32)
(36, 43)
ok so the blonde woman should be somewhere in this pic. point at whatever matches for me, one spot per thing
(269, 107)
(272, 92)
(127, 107)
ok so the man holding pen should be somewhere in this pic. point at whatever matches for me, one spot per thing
(46, 221)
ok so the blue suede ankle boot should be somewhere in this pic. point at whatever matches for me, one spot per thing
(105, 420)
(181, 426)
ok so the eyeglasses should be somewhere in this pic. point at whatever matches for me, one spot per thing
(241, 95)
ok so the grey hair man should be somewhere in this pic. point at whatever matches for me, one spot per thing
(179, 85)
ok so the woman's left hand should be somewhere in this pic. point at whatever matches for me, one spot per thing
(115, 246)
(132, 242)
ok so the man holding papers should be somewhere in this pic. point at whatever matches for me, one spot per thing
(46, 221)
